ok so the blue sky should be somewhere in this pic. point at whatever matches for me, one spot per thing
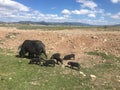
(97, 12)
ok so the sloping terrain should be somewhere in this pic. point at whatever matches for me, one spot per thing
(64, 41)
(97, 51)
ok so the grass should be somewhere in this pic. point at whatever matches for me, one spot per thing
(17, 74)
(110, 61)
(60, 27)
(106, 56)
(107, 72)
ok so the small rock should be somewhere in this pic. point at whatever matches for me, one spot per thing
(82, 73)
(74, 47)
(34, 83)
(94, 37)
(52, 48)
(118, 81)
(10, 78)
(93, 77)
(63, 66)
(12, 36)
(104, 40)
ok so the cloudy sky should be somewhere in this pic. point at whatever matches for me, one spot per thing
(98, 12)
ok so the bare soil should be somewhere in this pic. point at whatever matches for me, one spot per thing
(76, 41)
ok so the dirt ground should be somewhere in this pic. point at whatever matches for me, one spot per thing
(76, 41)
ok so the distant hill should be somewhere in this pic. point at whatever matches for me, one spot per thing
(70, 23)
(54, 23)
(1, 22)
(116, 25)
(48, 23)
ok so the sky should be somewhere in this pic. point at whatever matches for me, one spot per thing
(95, 12)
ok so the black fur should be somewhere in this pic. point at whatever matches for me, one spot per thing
(35, 61)
(56, 56)
(34, 48)
(59, 60)
(69, 57)
(49, 63)
(74, 64)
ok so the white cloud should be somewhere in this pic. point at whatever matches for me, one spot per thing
(9, 8)
(13, 11)
(66, 11)
(82, 11)
(76, 12)
(9, 4)
(116, 16)
(108, 14)
(92, 15)
(87, 3)
(115, 1)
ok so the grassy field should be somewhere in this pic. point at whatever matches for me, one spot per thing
(17, 74)
(60, 27)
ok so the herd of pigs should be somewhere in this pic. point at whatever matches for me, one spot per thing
(35, 48)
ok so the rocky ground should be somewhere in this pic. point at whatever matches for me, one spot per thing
(65, 42)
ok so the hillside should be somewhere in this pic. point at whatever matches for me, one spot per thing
(97, 51)
(64, 41)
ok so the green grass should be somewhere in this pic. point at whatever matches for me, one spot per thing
(17, 74)
(106, 56)
(107, 72)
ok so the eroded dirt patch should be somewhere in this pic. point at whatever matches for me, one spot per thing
(65, 42)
